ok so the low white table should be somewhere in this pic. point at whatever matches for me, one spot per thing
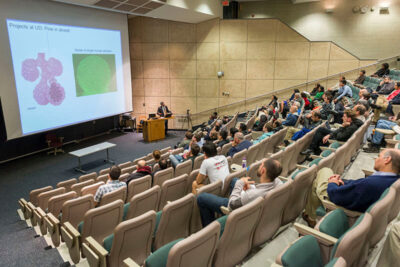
(90, 150)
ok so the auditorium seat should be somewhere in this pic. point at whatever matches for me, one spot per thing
(128, 170)
(119, 194)
(225, 192)
(238, 157)
(137, 186)
(125, 165)
(351, 242)
(173, 189)
(91, 189)
(104, 171)
(102, 178)
(196, 250)
(67, 184)
(165, 150)
(73, 212)
(124, 177)
(237, 234)
(56, 202)
(161, 176)
(297, 201)
(39, 213)
(252, 172)
(305, 251)
(78, 186)
(247, 137)
(98, 223)
(225, 148)
(263, 147)
(197, 162)
(33, 195)
(289, 155)
(270, 220)
(394, 211)
(142, 202)
(130, 239)
(252, 153)
(183, 168)
(192, 178)
(174, 222)
(86, 177)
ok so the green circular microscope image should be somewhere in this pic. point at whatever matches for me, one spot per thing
(93, 75)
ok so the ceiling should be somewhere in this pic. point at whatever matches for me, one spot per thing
(149, 8)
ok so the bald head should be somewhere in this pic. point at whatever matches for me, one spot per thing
(293, 108)
(141, 163)
(388, 161)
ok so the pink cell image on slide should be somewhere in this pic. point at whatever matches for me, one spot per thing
(48, 90)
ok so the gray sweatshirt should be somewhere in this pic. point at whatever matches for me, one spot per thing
(240, 197)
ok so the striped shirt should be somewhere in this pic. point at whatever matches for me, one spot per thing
(108, 188)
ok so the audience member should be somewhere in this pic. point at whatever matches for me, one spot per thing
(141, 171)
(162, 164)
(306, 101)
(344, 91)
(315, 90)
(274, 102)
(112, 184)
(259, 124)
(361, 78)
(232, 132)
(186, 140)
(238, 144)
(156, 155)
(377, 140)
(355, 195)
(243, 128)
(213, 117)
(385, 103)
(268, 131)
(321, 137)
(191, 155)
(382, 71)
(327, 106)
(292, 117)
(223, 138)
(244, 191)
(214, 166)
(386, 86)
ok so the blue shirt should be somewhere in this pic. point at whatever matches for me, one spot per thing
(359, 194)
(291, 120)
(245, 144)
(262, 137)
(344, 91)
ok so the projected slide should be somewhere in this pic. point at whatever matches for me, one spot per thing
(65, 74)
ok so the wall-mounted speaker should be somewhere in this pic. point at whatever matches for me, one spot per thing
(231, 11)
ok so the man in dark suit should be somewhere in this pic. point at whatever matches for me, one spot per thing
(163, 111)
(238, 144)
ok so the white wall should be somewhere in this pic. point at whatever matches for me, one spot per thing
(367, 36)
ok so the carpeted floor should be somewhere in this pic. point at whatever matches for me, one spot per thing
(18, 247)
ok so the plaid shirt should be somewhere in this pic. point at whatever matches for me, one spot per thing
(107, 188)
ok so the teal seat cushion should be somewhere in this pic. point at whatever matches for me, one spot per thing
(397, 137)
(314, 162)
(158, 219)
(326, 153)
(340, 239)
(222, 222)
(382, 196)
(80, 227)
(305, 252)
(160, 257)
(335, 223)
(126, 208)
(335, 145)
(321, 212)
(107, 243)
(296, 172)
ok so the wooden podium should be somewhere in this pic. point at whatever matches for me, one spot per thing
(154, 129)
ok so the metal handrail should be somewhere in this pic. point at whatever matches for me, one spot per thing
(378, 62)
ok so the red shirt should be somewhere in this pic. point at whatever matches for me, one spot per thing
(393, 94)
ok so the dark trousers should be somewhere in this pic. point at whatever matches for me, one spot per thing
(317, 139)
(166, 126)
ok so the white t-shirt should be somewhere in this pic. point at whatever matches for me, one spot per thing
(216, 168)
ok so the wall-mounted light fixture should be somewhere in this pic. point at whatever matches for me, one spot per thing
(384, 7)
(220, 74)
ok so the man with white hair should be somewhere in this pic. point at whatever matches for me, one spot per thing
(238, 144)
(291, 119)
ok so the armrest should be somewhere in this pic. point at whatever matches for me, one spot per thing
(95, 253)
(302, 166)
(130, 263)
(385, 131)
(392, 141)
(52, 222)
(367, 172)
(327, 148)
(316, 157)
(332, 206)
(325, 239)
(22, 203)
(285, 179)
(30, 208)
(275, 265)
(333, 141)
(225, 210)
(69, 234)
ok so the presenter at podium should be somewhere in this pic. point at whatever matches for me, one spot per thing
(164, 112)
